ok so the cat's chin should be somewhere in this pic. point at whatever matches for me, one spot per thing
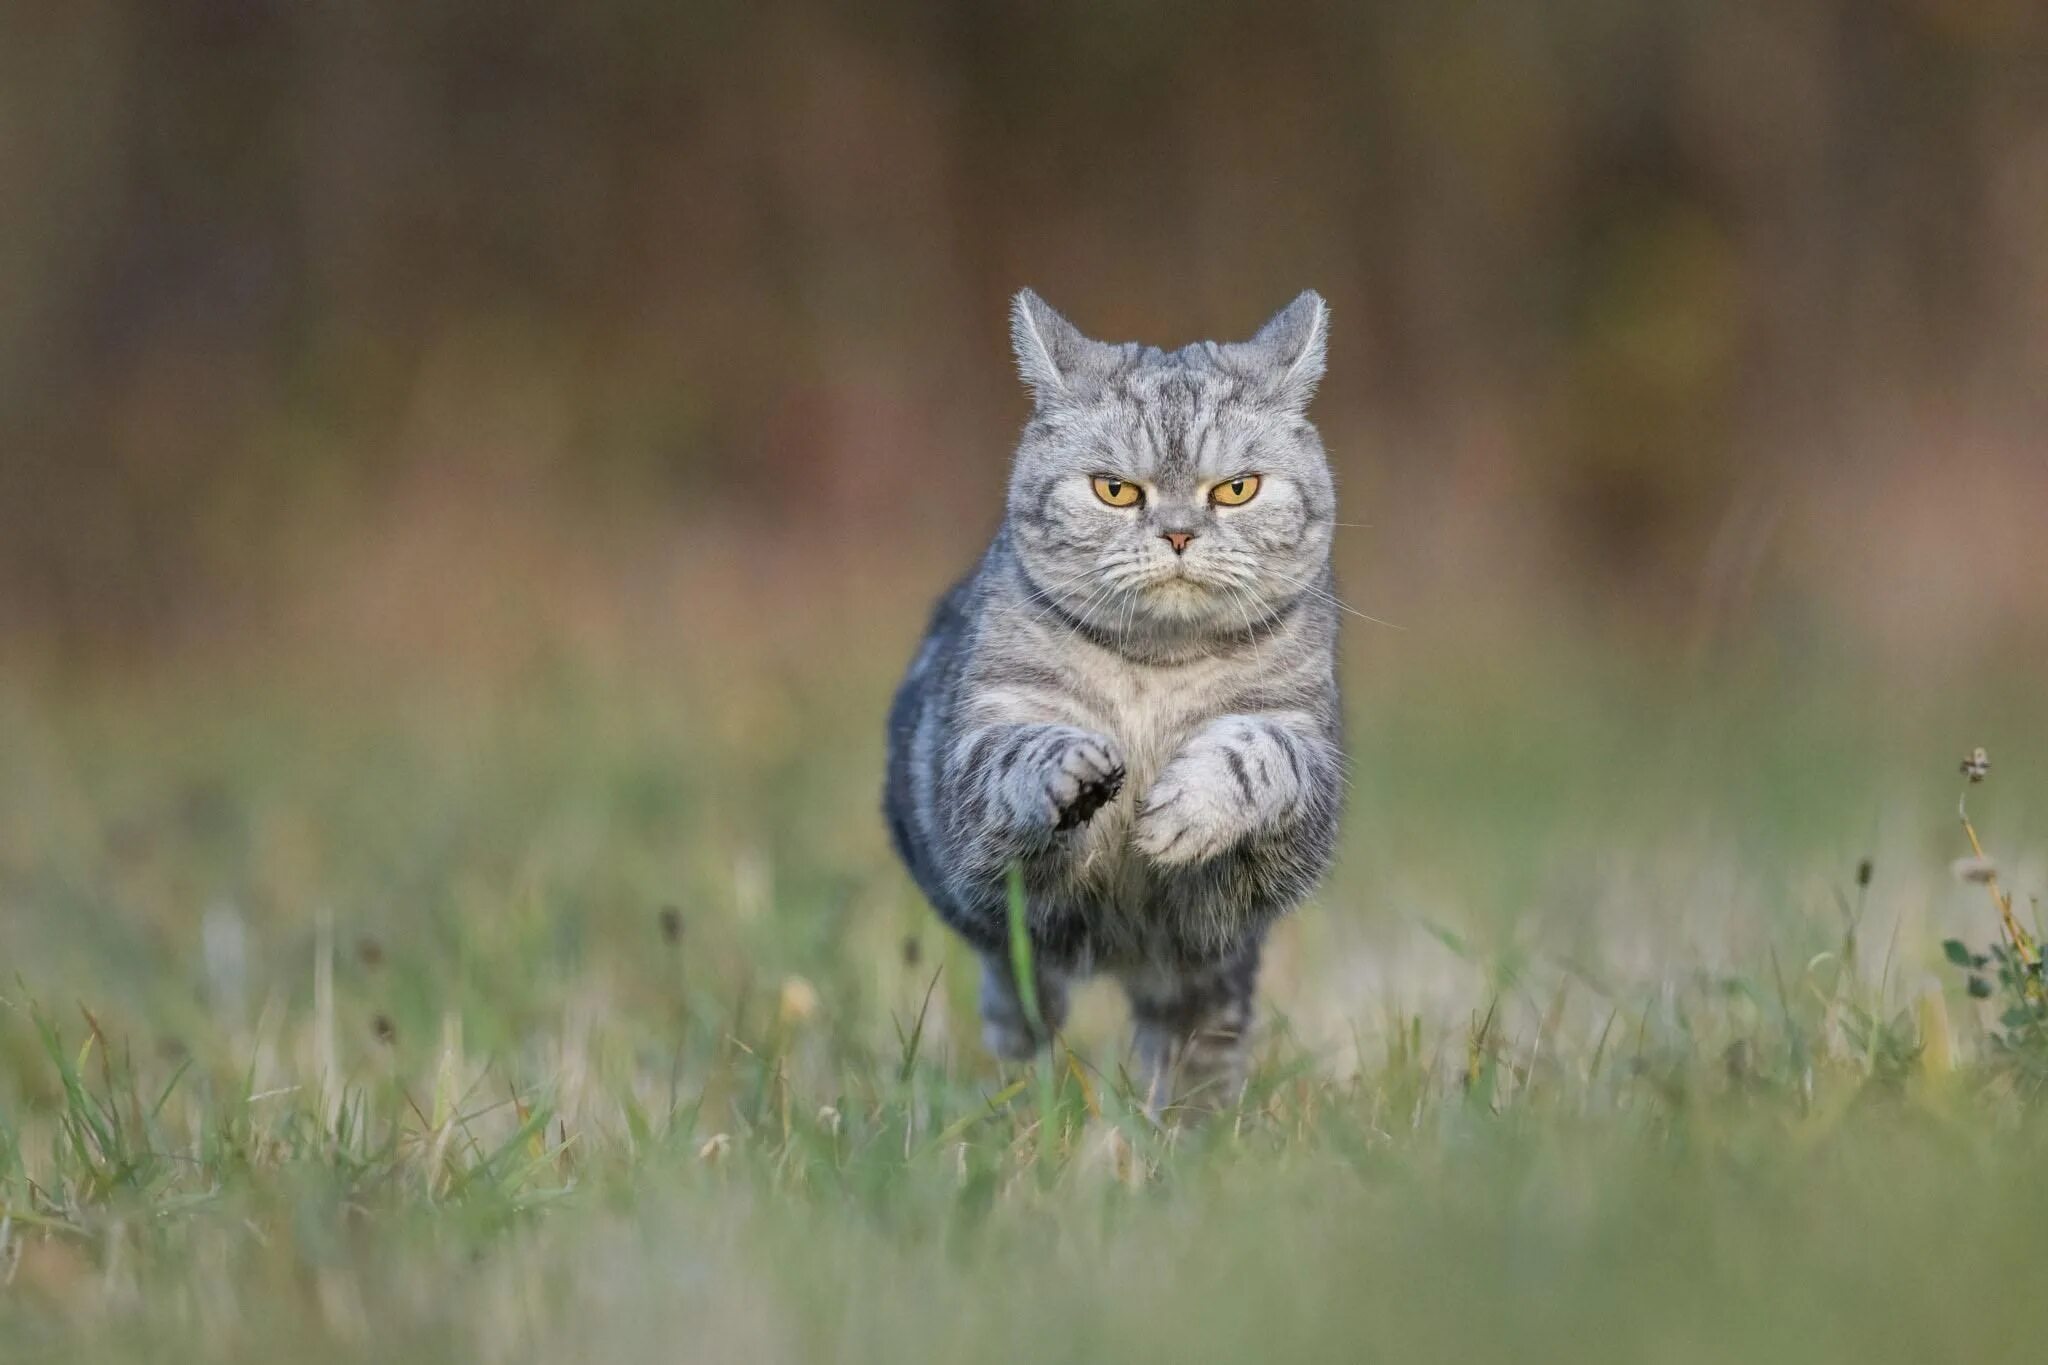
(1177, 590)
(1184, 601)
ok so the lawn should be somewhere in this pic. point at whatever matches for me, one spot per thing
(563, 1003)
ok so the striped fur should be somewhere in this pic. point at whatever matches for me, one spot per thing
(1151, 733)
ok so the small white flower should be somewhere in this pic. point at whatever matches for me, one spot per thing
(799, 1000)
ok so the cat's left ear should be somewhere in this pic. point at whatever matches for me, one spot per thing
(1285, 359)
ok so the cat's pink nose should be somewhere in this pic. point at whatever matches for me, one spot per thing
(1178, 540)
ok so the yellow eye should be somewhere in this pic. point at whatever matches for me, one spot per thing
(1235, 492)
(1117, 492)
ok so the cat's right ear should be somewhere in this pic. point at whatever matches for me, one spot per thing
(1055, 359)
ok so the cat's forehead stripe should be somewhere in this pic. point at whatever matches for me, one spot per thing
(1167, 412)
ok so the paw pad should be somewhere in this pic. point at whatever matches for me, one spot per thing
(1091, 795)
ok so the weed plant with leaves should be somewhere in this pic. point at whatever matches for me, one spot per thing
(2008, 972)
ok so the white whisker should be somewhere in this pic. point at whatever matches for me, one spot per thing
(1325, 595)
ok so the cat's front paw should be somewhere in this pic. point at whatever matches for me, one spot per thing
(1190, 815)
(1080, 774)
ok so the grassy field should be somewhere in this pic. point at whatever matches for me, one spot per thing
(566, 1005)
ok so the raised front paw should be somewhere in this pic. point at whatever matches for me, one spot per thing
(1061, 776)
(1192, 812)
(1082, 776)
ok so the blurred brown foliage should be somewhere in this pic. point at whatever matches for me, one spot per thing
(1621, 277)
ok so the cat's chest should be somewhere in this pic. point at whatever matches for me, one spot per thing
(1152, 713)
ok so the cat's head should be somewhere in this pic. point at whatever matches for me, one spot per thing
(1161, 495)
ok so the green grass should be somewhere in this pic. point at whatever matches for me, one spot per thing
(547, 1011)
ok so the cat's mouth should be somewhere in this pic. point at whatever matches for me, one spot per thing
(1178, 587)
(1168, 577)
(1175, 590)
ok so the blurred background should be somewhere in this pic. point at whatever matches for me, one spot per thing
(480, 468)
(1714, 318)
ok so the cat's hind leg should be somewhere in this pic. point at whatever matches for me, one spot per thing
(1005, 1025)
(1192, 1040)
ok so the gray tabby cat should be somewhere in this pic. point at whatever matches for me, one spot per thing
(1134, 696)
